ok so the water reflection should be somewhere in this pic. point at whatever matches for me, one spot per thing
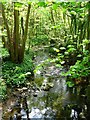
(47, 95)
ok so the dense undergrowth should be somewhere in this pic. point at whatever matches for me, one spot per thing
(77, 61)
(15, 75)
(64, 27)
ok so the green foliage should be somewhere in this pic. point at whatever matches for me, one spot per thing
(3, 52)
(54, 6)
(64, 54)
(42, 4)
(41, 39)
(70, 49)
(80, 69)
(18, 5)
(39, 67)
(15, 74)
(59, 58)
(2, 89)
(85, 42)
(70, 83)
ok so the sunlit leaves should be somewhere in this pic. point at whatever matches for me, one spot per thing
(15, 74)
(3, 1)
(80, 69)
(2, 89)
(66, 53)
(42, 4)
(18, 5)
(62, 62)
(55, 49)
(54, 6)
(62, 48)
(3, 52)
(88, 5)
(85, 41)
(79, 55)
(73, 12)
(71, 50)
(70, 84)
(70, 46)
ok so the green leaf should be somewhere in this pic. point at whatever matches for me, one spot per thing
(70, 84)
(79, 55)
(62, 48)
(21, 76)
(73, 12)
(54, 6)
(66, 53)
(63, 62)
(3, 1)
(70, 46)
(71, 50)
(29, 2)
(88, 5)
(42, 4)
(85, 41)
(18, 4)
(55, 49)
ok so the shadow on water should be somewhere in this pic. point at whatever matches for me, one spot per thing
(46, 97)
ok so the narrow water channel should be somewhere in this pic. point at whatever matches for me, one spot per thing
(50, 89)
(47, 94)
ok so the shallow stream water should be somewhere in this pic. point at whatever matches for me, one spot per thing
(47, 94)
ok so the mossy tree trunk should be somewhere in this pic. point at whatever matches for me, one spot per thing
(88, 27)
(88, 22)
(16, 41)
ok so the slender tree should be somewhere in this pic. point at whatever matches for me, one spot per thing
(16, 41)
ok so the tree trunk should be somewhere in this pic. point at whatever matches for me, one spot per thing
(88, 27)
(16, 34)
(15, 46)
(26, 31)
(88, 23)
(10, 40)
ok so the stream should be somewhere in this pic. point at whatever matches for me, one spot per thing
(46, 95)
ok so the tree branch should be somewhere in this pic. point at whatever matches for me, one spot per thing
(6, 23)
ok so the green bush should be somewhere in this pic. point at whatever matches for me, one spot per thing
(81, 69)
(2, 89)
(16, 74)
(3, 52)
(41, 39)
